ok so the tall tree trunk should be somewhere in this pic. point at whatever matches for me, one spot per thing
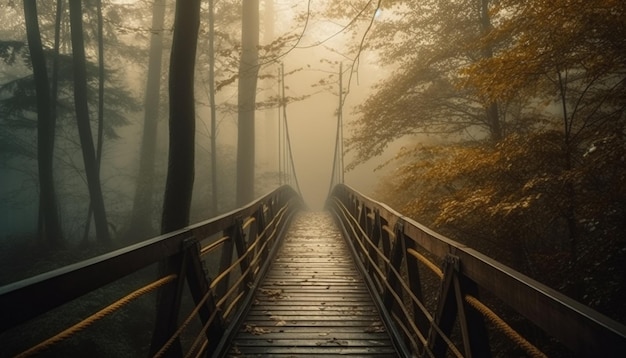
(100, 135)
(141, 220)
(493, 117)
(100, 83)
(54, 91)
(45, 129)
(214, 188)
(83, 121)
(568, 149)
(248, 71)
(180, 171)
(269, 136)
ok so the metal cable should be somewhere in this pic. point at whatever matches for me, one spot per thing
(96, 316)
(290, 152)
(334, 173)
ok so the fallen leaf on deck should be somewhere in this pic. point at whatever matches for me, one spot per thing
(257, 331)
(375, 328)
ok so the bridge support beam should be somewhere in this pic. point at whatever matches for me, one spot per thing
(199, 287)
(396, 262)
(452, 308)
(375, 233)
(237, 240)
(168, 305)
(415, 284)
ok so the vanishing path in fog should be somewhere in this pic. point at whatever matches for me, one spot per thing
(313, 300)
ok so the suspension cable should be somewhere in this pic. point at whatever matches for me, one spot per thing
(336, 176)
(288, 153)
(292, 166)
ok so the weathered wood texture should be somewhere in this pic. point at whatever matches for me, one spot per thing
(313, 300)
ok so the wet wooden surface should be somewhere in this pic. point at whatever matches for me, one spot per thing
(313, 301)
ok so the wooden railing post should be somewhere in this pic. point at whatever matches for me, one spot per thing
(446, 312)
(475, 338)
(452, 307)
(396, 262)
(253, 235)
(199, 287)
(236, 241)
(362, 222)
(270, 208)
(369, 222)
(415, 284)
(168, 305)
(225, 261)
(386, 238)
(375, 235)
(260, 227)
(352, 207)
(239, 239)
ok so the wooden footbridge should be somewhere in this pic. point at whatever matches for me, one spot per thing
(270, 279)
(313, 300)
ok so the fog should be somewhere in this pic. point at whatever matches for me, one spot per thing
(313, 125)
(312, 122)
(519, 126)
(312, 54)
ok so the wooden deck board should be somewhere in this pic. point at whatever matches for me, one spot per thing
(312, 301)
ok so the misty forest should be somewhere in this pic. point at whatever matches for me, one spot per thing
(500, 124)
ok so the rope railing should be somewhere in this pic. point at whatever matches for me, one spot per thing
(395, 295)
(504, 327)
(421, 258)
(391, 250)
(354, 227)
(82, 325)
(218, 303)
(213, 246)
(182, 326)
(201, 336)
(498, 322)
(260, 238)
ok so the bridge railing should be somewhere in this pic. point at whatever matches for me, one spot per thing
(205, 275)
(441, 298)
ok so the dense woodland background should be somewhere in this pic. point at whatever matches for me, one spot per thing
(507, 118)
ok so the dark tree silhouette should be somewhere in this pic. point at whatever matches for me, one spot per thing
(214, 191)
(83, 121)
(142, 215)
(180, 170)
(51, 228)
(248, 71)
(100, 135)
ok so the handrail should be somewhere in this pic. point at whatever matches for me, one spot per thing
(249, 234)
(403, 266)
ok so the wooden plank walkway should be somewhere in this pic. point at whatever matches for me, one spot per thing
(313, 301)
